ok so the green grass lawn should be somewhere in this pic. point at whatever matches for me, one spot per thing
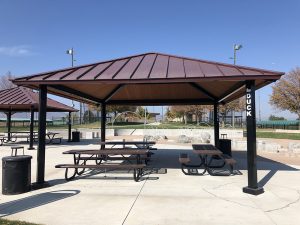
(14, 222)
(278, 135)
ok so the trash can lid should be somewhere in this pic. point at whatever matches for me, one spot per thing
(16, 158)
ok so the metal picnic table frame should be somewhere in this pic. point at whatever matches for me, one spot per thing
(207, 154)
(104, 155)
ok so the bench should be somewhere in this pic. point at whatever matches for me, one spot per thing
(184, 158)
(111, 158)
(137, 169)
(16, 136)
(15, 148)
(56, 139)
(3, 139)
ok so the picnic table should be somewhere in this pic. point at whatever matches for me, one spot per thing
(211, 158)
(52, 137)
(103, 159)
(14, 135)
(138, 144)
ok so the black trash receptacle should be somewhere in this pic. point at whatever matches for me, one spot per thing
(16, 174)
(75, 136)
(225, 146)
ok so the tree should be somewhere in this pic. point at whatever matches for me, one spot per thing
(115, 109)
(180, 111)
(88, 116)
(272, 117)
(237, 105)
(286, 93)
(198, 111)
(5, 82)
(141, 111)
(170, 115)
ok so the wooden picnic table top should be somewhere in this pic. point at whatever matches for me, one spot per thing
(208, 152)
(204, 147)
(109, 152)
(127, 142)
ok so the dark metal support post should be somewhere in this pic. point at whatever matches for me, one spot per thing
(69, 127)
(31, 128)
(9, 125)
(216, 125)
(252, 187)
(103, 120)
(40, 178)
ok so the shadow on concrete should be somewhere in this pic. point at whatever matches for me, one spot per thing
(168, 159)
(23, 204)
(263, 164)
(164, 159)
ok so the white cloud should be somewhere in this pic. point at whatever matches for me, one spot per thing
(18, 50)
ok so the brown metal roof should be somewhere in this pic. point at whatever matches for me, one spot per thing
(151, 78)
(21, 99)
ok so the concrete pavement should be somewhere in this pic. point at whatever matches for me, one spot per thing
(166, 198)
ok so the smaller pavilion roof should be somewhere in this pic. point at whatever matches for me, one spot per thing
(22, 99)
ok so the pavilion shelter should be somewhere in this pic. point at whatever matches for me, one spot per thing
(156, 79)
(21, 99)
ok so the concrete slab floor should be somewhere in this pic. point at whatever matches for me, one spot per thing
(166, 198)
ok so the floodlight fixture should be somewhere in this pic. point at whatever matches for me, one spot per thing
(236, 47)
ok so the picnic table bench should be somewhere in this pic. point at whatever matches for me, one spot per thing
(207, 154)
(3, 139)
(102, 160)
(52, 136)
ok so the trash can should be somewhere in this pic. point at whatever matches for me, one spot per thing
(75, 136)
(16, 174)
(225, 146)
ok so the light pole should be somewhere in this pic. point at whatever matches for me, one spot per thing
(236, 47)
(71, 52)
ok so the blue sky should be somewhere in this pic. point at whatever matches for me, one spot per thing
(35, 34)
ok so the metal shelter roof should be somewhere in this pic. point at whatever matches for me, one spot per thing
(151, 79)
(21, 99)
